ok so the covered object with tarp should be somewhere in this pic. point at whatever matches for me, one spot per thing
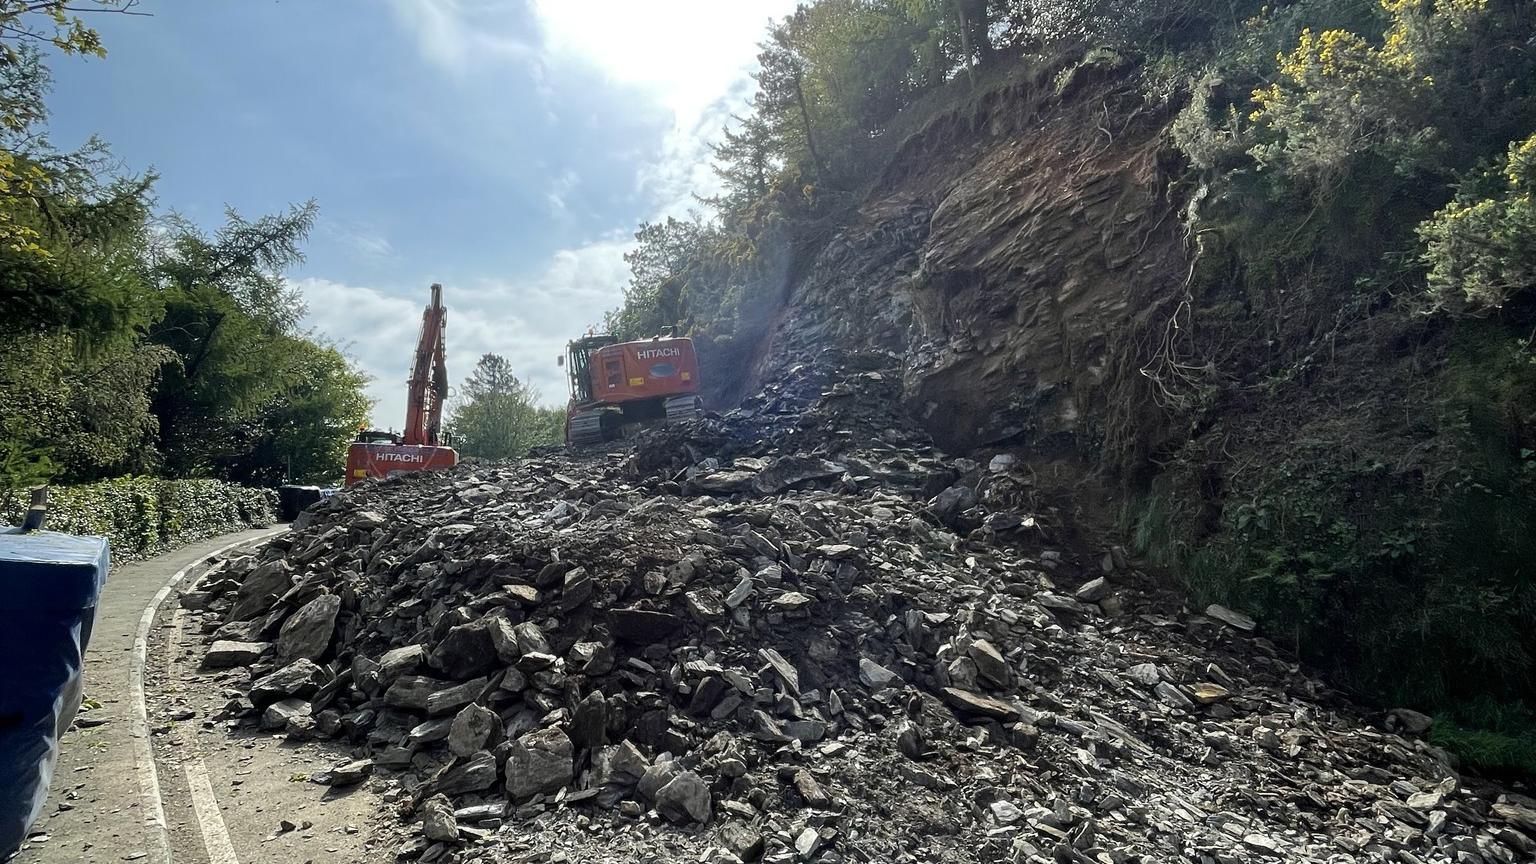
(49, 586)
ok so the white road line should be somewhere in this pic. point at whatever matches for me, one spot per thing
(143, 750)
(210, 822)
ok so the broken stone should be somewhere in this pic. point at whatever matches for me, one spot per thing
(224, 654)
(301, 678)
(350, 773)
(466, 651)
(684, 798)
(539, 763)
(644, 626)
(473, 728)
(990, 664)
(412, 692)
(400, 661)
(742, 841)
(261, 589)
(1208, 693)
(280, 713)
(1235, 620)
(307, 633)
(975, 705)
(437, 820)
(474, 774)
(450, 698)
(876, 677)
(590, 658)
(1094, 590)
(782, 668)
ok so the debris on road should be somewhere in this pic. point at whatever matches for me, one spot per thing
(798, 632)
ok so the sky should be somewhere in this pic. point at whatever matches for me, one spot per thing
(507, 149)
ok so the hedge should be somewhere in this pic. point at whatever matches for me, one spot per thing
(143, 516)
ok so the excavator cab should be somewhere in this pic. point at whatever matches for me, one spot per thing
(578, 363)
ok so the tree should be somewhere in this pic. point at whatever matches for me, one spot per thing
(76, 418)
(54, 22)
(139, 348)
(302, 432)
(745, 161)
(230, 318)
(498, 416)
(70, 226)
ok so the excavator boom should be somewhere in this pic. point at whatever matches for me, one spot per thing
(428, 387)
(384, 454)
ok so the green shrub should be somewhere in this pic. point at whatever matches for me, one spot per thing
(1480, 249)
(142, 516)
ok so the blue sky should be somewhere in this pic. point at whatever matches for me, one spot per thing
(505, 148)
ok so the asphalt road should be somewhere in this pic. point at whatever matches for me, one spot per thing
(100, 808)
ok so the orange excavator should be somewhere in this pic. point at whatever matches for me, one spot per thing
(384, 454)
(616, 387)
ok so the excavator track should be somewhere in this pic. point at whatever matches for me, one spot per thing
(586, 429)
(683, 408)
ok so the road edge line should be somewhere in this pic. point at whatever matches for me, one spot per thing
(143, 747)
(205, 804)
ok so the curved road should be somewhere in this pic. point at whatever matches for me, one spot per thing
(225, 796)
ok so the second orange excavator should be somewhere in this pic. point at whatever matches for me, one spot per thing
(384, 454)
(617, 387)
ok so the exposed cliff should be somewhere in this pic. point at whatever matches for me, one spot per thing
(1024, 254)
(1272, 434)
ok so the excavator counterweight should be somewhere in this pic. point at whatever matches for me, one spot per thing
(385, 454)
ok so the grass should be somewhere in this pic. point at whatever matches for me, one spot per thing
(1493, 738)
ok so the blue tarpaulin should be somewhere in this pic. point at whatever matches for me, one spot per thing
(49, 586)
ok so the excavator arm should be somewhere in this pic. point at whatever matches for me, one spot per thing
(428, 387)
(381, 454)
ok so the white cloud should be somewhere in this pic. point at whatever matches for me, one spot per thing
(363, 240)
(460, 35)
(560, 189)
(693, 57)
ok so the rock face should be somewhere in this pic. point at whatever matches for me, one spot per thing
(599, 655)
(1014, 263)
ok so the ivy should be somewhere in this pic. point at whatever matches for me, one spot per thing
(143, 516)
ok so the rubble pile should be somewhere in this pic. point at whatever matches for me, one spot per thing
(762, 638)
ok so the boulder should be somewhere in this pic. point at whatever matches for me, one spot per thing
(467, 651)
(473, 729)
(261, 589)
(307, 632)
(437, 819)
(539, 763)
(224, 654)
(301, 678)
(685, 798)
